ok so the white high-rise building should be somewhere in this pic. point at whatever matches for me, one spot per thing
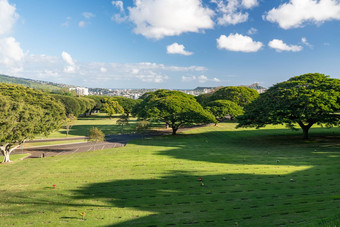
(81, 91)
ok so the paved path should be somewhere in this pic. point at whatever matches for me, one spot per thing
(112, 141)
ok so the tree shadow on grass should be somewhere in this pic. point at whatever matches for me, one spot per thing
(250, 200)
(266, 146)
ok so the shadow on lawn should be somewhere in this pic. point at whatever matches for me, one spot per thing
(250, 200)
(263, 199)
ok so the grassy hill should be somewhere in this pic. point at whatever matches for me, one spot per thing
(37, 84)
(267, 177)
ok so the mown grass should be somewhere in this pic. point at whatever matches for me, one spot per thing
(268, 177)
(83, 125)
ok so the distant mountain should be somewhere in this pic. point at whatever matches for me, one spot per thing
(37, 84)
(256, 86)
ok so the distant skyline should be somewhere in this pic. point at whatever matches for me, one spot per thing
(169, 43)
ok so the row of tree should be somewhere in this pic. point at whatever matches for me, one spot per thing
(26, 112)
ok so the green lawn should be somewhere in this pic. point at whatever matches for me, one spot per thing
(268, 177)
(101, 120)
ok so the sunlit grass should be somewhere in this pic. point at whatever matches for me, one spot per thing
(266, 177)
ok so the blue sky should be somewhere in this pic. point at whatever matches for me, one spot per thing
(169, 43)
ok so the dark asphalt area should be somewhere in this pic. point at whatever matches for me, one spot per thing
(112, 141)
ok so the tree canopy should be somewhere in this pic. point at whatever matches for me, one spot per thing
(111, 107)
(172, 107)
(304, 100)
(26, 112)
(126, 103)
(239, 95)
(222, 108)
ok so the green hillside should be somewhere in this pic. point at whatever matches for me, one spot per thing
(37, 84)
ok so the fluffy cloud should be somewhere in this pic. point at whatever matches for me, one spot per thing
(10, 51)
(200, 79)
(305, 42)
(152, 78)
(237, 42)
(81, 24)
(159, 18)
(252, 31)
(176, 48)
(249, 3)
(119, 5)
(280, 46)
(64, 69)
(88, 15)
(230, 13)
(295, 13)
(8, 16)
(71, 67)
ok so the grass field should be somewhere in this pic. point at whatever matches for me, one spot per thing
(102, 121)
(268, 177)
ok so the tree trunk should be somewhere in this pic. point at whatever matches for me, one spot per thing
(6, 157)
(174, 128)
(6, 151)
(305, 129)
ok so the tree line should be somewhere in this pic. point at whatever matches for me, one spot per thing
(302, 101)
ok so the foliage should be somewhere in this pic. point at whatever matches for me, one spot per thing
(71, 104)
(304, 100)
(222, 108)
(203, 99)
(172, 107)
(142, 125)
(126, 103)
(69, 122)
(96, 135)
(123, 121)
(112, 107)
(26, 112)
(239, 95)
(98, 100)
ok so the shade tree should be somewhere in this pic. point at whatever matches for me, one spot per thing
(172, 107)
(302, 100)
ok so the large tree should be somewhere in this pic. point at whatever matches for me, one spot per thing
(111, 107)
(222, 108)
(126, 103)
(172, 107)
(302, 100)
(24, 113)
(239, 95)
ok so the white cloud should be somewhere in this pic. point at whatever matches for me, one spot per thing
(248, 4)
(280, 46)
(65, 69)
(252, 31)
(176, 48)
(232, 19)
(119, 5)
(231, 11)
(88, 15)
(237, 42)
(305, 42)
(200, 79)
(8, 16)
(188, 78)
(159, 18)
(152, 78)
(10, 51)
(103, 69)
(119, 18)
(71, 67)
(81, 24)
(67, 58)
(296, 13)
